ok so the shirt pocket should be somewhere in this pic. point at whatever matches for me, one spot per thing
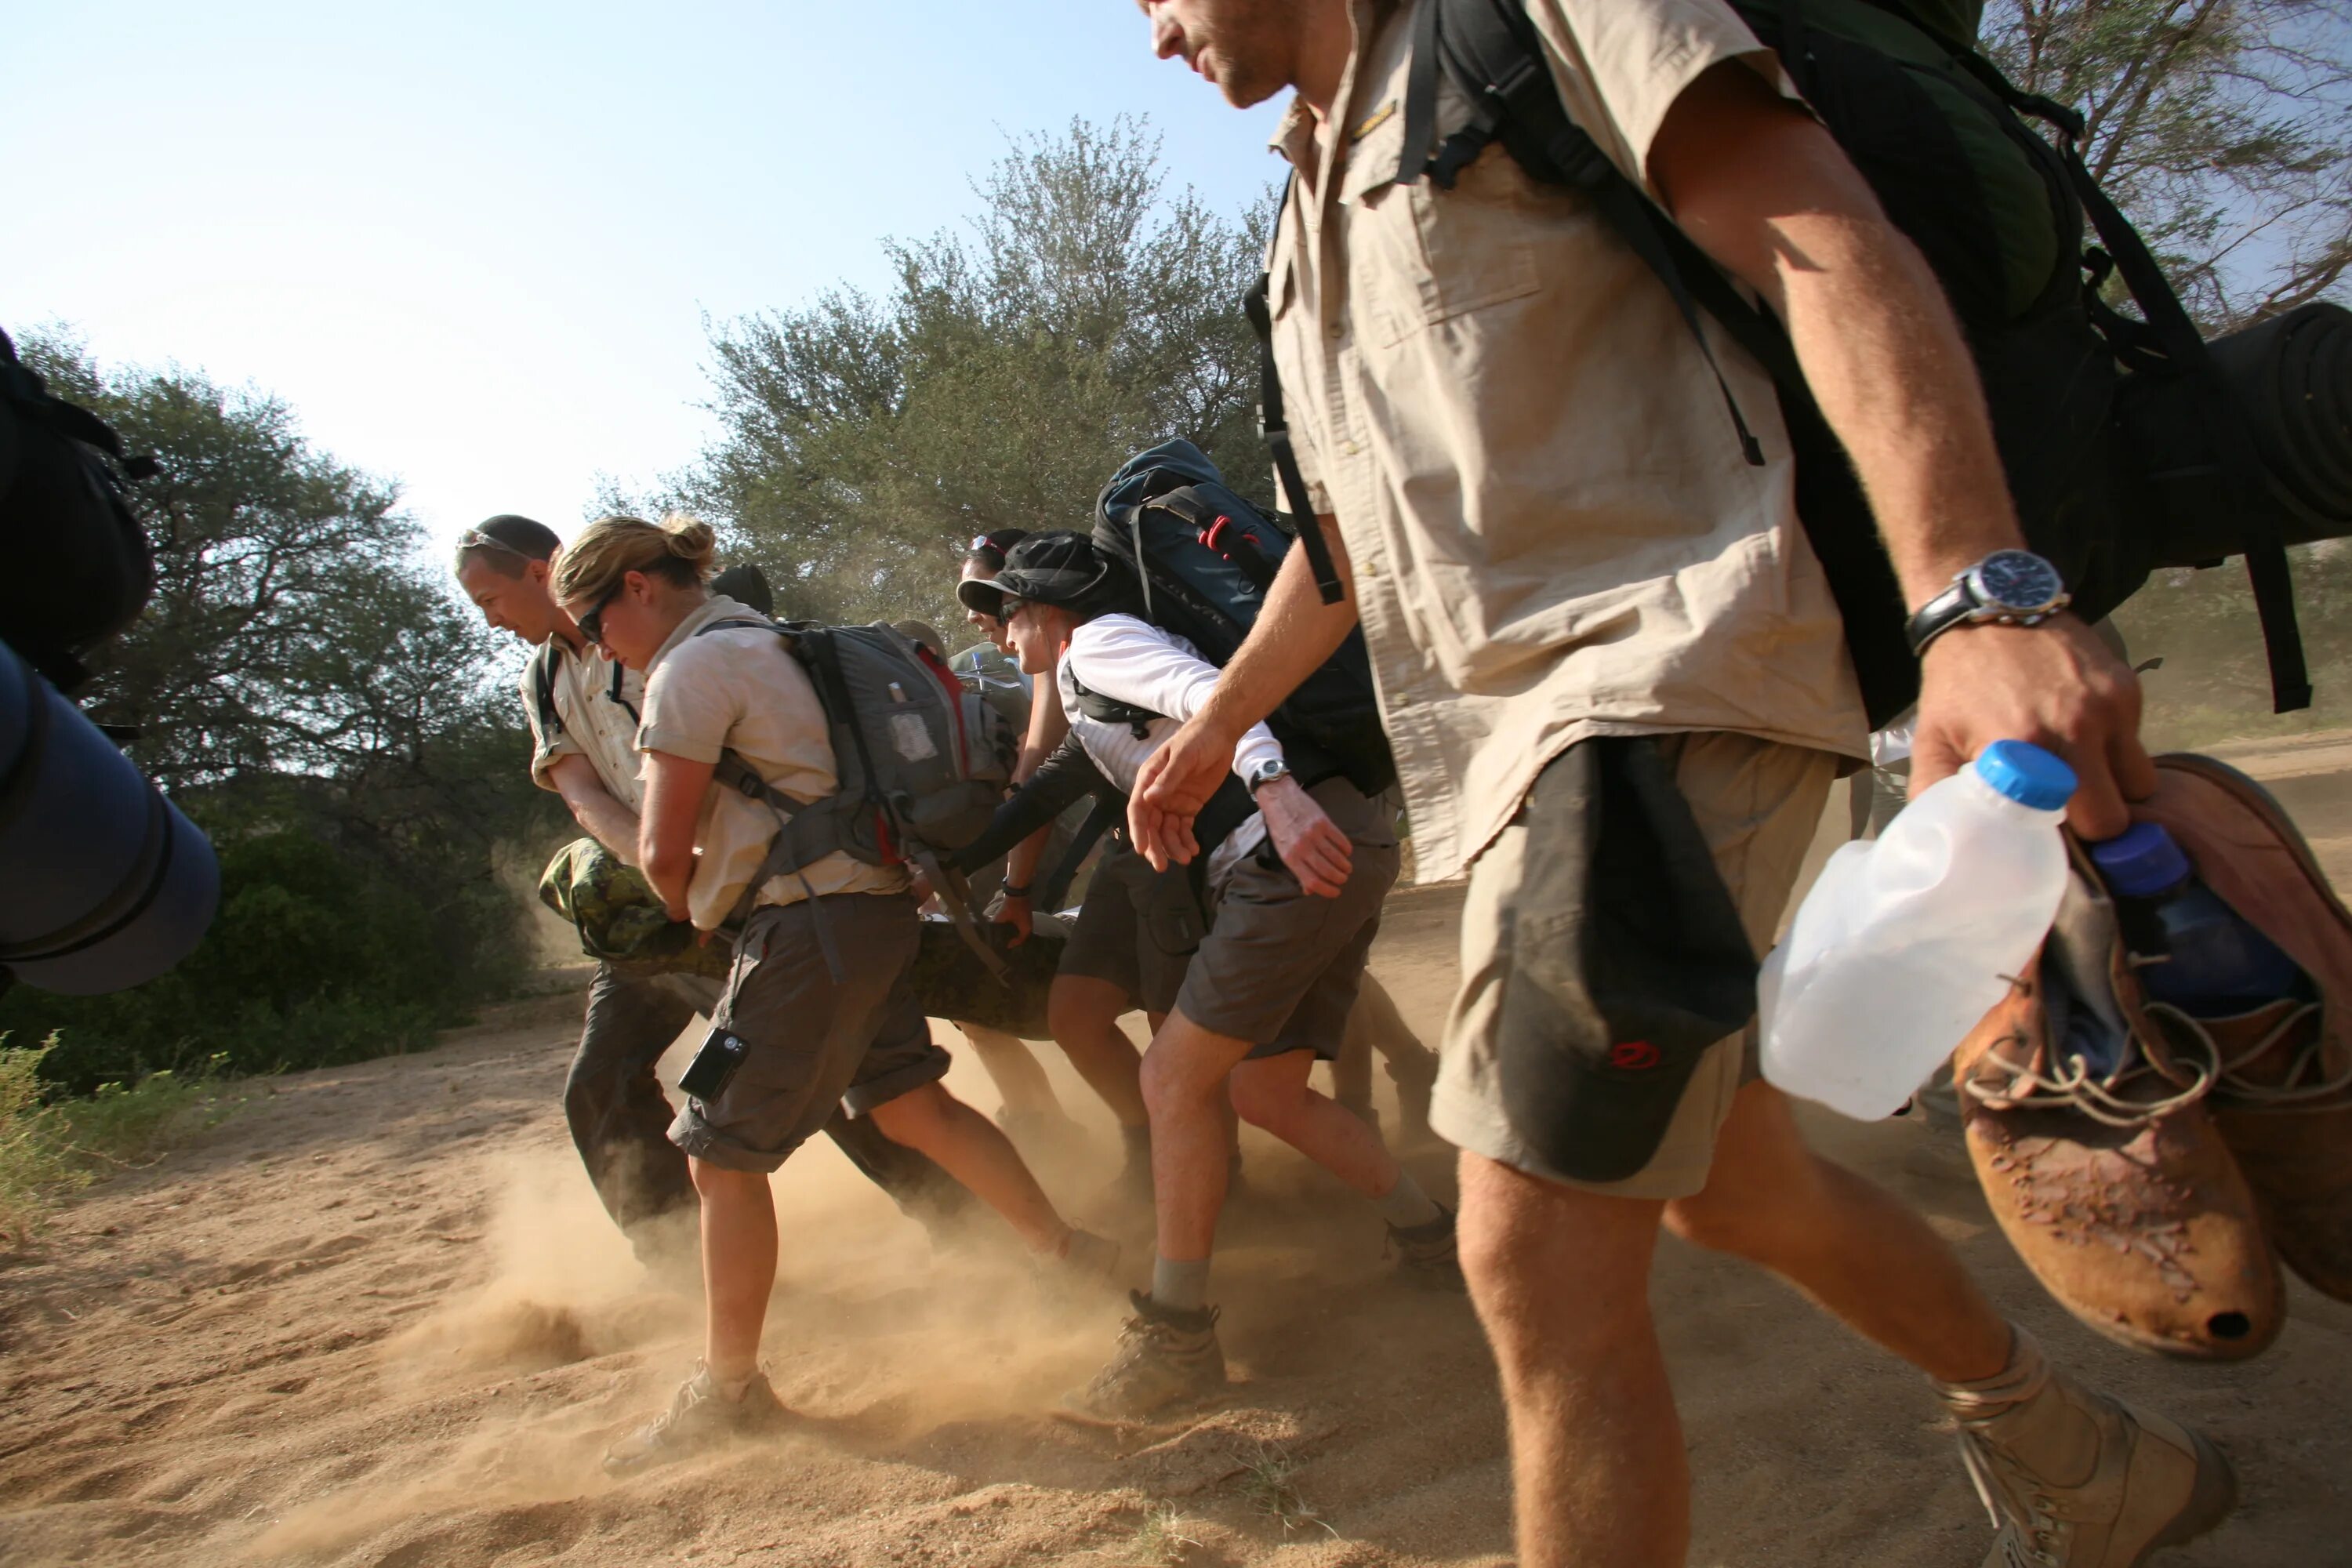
(1420, 256)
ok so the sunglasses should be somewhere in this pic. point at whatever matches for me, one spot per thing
(474, 538)
(592, 625)
(1009, 606)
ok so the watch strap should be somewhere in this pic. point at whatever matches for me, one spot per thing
(1955, 605)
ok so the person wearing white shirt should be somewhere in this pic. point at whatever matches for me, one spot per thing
(1294, 891)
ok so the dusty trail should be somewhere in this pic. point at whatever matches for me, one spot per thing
(376, 1319)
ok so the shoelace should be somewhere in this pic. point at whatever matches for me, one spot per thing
(2037, 1528)
(2291, 1093)
(2101, 1100)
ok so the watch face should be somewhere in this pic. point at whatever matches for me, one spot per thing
(2017, 580)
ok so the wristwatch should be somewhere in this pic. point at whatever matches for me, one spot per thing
(2014, 587)
(1265, 773)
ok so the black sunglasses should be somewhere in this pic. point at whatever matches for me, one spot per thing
(592, 625)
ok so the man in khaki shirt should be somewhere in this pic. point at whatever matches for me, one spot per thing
(1548, 532)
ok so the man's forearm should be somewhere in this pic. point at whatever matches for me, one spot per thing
(610, 823)
(1894, 378)
(1296, 632)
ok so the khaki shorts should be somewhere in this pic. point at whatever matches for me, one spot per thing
(1758, 803)
(1107, 941)
(1280, 967)
(815, 1042)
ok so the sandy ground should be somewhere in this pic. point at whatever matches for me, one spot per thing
(376, 1319)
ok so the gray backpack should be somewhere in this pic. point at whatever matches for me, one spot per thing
(923, 762)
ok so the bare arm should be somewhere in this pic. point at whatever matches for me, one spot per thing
(1048, 727)
(1296, 632)
(603, 818)
(674, 790)
(1763, 189)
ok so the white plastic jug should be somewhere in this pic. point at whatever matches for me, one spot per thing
(1907, 942)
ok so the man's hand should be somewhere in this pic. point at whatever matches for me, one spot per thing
(1015, 912)
(1306, 837)
(2056, 685)
(1174, 783)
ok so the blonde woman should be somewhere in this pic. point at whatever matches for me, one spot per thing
(817, 996)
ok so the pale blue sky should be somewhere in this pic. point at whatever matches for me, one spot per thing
(472, 244)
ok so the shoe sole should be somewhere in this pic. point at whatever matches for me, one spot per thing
(2212, 1499)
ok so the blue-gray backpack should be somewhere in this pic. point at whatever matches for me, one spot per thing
(1202, 558)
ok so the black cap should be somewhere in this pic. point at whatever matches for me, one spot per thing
(1061, 568)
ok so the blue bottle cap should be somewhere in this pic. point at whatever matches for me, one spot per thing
(2026, 774)
(2141, 862)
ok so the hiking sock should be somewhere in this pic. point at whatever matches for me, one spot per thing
(1181, 1286)
(2060, 1442)
(1405, 1206)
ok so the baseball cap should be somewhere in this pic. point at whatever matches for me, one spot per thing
(1061, 568)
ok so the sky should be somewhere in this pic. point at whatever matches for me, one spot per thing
(473, 246)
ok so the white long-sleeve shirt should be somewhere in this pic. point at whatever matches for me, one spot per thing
(1135, 662)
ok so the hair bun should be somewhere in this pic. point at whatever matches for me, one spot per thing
(691, 540)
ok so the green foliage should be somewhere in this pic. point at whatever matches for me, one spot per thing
(2224, 128)
(49, 1148)
(1088, 314)
(320, 702)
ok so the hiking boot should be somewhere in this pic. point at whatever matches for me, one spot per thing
(1164, 1357)
(1426, 1255)
(700, 1416)
(2075, 1480)
(2099, 1157)
(2283, 1098)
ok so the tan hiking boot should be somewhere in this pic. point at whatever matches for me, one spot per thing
(1164, 1357)
(1087, 1258)
(700, 1416)
(2075, 1480)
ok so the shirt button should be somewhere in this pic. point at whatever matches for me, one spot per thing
(1348, 448)
(1338, 330)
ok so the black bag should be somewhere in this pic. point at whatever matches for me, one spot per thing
(80, 566)
(2129, 444)
(1202, 558)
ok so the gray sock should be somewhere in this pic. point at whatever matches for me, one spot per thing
(1406, 1206)
(1184, 1286)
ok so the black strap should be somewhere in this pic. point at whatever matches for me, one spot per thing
(1490, 48)
(1105, 815)
(1276, 431)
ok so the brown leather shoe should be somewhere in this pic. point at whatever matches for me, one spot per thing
(2111, 1181)
(2283, 1095)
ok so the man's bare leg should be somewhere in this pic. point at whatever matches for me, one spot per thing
(738, 1265)
(1184, 1076)
(1082, 1014)
(1561, 1277)
(1849, 1244)
(1272, 1092)
(1560, 1280)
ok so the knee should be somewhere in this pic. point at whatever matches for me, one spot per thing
(1172, 1084)
(1263, 1100)
(718, 1182)
(915, 1119)
(1560, 1275)
(1078, 1013)
(1760, 1223)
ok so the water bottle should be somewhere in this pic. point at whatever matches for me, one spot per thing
(1907, 940)
(2209, 962)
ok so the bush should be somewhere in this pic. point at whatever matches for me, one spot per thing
(315, 958)
(46, 1148)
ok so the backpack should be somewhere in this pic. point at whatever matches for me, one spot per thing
(80, 567)
(2129, 444)
(1202, 558)
(923, 762)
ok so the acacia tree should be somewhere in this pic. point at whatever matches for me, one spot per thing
(2223, 127)
(1087, 313)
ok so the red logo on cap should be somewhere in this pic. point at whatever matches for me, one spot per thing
(1633, 1056)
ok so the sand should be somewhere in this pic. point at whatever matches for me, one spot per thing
(376, 1319)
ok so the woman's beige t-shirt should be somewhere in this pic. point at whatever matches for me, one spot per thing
(739, 689)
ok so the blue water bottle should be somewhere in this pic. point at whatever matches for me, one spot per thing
(2209, 962)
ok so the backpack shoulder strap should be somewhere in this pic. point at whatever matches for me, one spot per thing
(542, 689)
(1275, 428)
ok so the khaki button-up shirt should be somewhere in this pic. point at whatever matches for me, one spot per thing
(1554, 532)
(590, 721)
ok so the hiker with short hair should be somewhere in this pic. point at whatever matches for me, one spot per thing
(1294, 891)
(1605, 645)
(816, 1013)
(582, 708)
